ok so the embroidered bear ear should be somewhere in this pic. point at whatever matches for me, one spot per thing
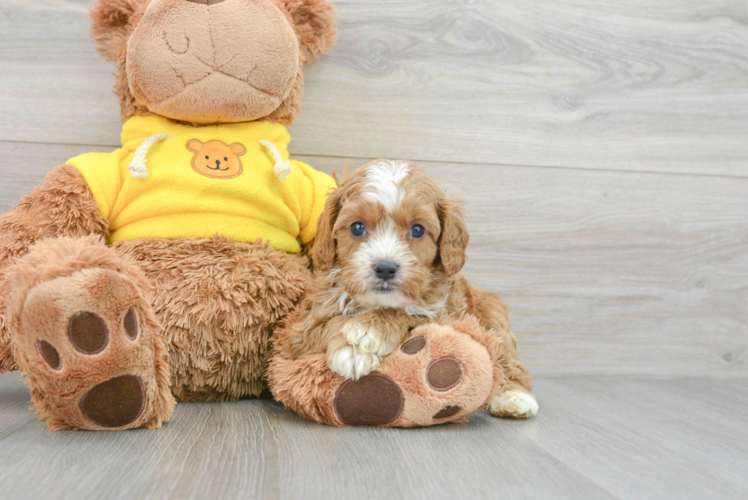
(194, 146)
(112, 23)
(238, 149)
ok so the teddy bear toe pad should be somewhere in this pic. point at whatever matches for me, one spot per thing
(371, 400)
(115, 403)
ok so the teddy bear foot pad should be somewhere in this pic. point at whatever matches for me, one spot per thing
(93, 361)
(434, 378)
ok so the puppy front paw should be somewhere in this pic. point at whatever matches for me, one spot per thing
(366, 339)
(515, 404)
(352, 363)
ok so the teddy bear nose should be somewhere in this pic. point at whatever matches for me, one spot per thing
(218, 163)
(206, 2)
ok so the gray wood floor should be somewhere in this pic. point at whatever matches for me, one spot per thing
(612, 438)
(601, 148)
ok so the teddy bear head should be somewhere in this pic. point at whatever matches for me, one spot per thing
(212, 61)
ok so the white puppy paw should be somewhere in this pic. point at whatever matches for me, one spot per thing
(366, 339)
(516, 404)
(351, 363)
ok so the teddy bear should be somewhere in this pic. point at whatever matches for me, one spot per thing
(160, 272)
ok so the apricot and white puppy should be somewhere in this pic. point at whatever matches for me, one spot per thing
(389, 249)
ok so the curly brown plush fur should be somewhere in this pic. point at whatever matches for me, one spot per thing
(219, 302)
(189, 316)
(61, 206)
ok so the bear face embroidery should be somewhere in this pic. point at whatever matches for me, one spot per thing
(216, 159)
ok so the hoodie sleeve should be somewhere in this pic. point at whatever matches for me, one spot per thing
(102, 174)
(313, 191)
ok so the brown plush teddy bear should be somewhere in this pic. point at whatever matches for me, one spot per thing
(161, 270)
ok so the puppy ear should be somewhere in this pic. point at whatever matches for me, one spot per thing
(324, 248)
(454, 239)
(111, 25)
(314, 23)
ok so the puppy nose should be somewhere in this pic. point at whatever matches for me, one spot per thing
(386, 269)
(206, 2)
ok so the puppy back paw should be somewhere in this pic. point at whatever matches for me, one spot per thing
(514, 404)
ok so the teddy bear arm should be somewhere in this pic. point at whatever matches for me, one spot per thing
(62, 206)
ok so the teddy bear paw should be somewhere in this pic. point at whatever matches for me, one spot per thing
(438, 376)
(90, 354)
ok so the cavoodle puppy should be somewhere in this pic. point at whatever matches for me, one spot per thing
(387, 258)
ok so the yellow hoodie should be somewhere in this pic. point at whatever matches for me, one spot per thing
(177, 181)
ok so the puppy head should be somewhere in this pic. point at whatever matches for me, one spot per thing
(388, 233)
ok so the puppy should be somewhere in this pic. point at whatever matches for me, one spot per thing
(389, 249)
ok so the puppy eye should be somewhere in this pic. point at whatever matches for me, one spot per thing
(358, 229)
(417, 231)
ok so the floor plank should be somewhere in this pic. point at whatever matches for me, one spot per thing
(612, 85)
(592, 439)
(605, 273)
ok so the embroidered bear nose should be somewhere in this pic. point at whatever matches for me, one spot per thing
(206, 2)
(386, 269)
(218, 163)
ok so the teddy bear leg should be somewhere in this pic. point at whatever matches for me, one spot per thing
(85, 337)
(441, 374)
(219, 302)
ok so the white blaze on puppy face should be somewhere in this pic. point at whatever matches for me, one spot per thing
(385, 242)
(385, 183)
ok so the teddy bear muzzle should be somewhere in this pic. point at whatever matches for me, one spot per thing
(244, 54)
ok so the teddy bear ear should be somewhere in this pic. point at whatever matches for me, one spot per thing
(314, 23)
(111, 24)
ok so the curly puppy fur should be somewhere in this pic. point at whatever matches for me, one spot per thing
(389, 198)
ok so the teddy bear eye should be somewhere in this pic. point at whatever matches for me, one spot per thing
(207, 157)
(358, 229)
(226, 159)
